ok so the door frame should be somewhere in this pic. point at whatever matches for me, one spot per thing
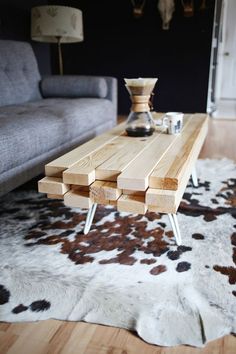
(215, 70)
(218, 48)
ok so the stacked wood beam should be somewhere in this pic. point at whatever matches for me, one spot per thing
(134, 174)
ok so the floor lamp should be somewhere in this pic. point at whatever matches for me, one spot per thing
(56, 24)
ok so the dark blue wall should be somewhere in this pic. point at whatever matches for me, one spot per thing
(15, 24)
(117, 44)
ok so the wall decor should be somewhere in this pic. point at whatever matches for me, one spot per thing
(203, 5)
(138, 8)
(188, 8)
(166, 9)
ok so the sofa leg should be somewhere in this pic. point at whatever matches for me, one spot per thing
(175, 227)
(89, 218)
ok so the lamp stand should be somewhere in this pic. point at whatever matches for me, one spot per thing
(60, 55)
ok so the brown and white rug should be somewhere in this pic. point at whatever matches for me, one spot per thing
(127, 272)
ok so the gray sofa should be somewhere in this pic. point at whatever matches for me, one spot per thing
(42, 118)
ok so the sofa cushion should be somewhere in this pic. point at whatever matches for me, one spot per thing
(19, 75)
(31, 129)
(74, 86)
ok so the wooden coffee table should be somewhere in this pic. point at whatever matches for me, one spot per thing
(134, 174)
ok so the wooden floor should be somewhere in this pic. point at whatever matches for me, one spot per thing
(54, 337)
(220, 140)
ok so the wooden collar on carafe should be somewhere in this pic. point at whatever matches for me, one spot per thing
(140, 103)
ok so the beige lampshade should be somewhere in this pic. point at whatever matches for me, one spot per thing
(50, 22)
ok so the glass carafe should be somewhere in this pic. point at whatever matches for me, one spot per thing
(140, 122)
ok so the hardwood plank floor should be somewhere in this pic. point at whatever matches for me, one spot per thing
(220, 141)
(54, 337)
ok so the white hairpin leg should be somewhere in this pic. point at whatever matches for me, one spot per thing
(89, 218)
(175, 227)
(194, 177)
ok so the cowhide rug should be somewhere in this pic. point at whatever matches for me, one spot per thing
(127, 272)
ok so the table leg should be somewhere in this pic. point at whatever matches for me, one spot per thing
(172, 217)
(194, 177)
(175, 226)
(89, 218)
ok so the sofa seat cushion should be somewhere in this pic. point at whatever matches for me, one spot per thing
(28, 130)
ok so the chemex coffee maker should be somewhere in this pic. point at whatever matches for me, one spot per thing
(140, 122)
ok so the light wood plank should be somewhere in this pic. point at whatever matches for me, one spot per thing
(60, 338)
(75, 187)
(4, 326)
(18, 345)
(129, 191)
(24, 329)
(88, 338)
(168, 173)
(160, 201)
(220, 140)
(106, 202)
(77, 341)
(136, 175)
(56, 167)
(190, 162)
(110, 169)
(101, 190)
(7, 340)
(78, 199)
(20, 329)
(83, 172)
(167, 201)
(132, 204)
(55, 196)
(52, 185)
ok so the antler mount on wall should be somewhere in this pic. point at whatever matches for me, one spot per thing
(166, 9)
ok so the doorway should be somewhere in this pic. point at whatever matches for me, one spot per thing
(222, 79)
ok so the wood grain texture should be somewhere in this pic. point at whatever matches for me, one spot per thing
(111, 169)
(132, 204)
(170, 169)
(56, 167)
(86, 338)
(106, 202)
(55, 196)
(101, 190)
(78, 199)
(136, 175)
(129, 191)
(220, 140)
(52, 185)
(54, 337)
(167, 201)
(75, 187)
(83, 172)
(160, 202)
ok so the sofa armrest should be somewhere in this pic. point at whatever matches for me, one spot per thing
(74, 86)
(112, 95)
(112, 92)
